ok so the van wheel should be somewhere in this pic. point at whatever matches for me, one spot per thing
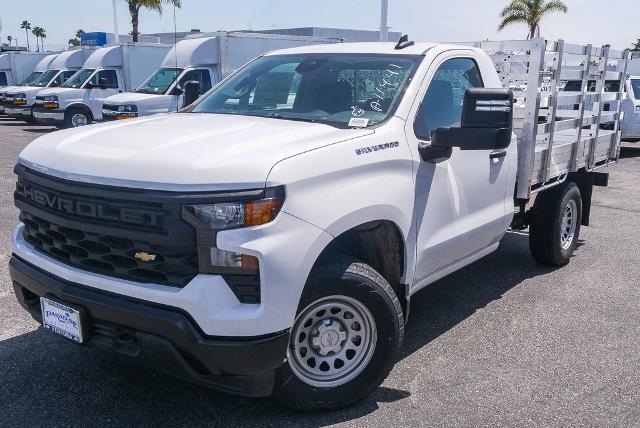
(76, 117)
(555, 224)
(345, 338)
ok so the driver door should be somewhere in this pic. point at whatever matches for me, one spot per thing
(460, 203)
(98, 95)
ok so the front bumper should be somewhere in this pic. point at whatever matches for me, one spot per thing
(18, 112)
(166, 337)
(48, 117)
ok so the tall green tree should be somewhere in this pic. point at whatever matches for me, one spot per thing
(76, 41)
(26, 26)
(530, 13)
(43, 35)
(37, 31)
(9, 39)
(636, 46)
(136, 5)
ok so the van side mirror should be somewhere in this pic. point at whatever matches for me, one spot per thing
(487, 124)
(103, 83)
(191, 92)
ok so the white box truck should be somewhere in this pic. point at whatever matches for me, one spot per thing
(206, 60)
(267, 239)
(107, 71)
(19, 101)
(21, 69)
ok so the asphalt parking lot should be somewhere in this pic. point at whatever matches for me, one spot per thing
(502, 342)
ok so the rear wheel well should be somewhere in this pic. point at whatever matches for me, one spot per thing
(380, 245)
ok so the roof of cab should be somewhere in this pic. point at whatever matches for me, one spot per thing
(364, 47)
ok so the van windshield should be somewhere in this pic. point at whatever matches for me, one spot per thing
(45, 78)
(78, 79)
(31, 78)
(635, 87)
(160, 81)
(341, 90)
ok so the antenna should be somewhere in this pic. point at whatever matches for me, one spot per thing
(404, 42)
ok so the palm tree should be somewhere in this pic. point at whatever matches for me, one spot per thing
(26, 26)
(76, 41)
(10, 39)
(136, 5)
(37, 31)
(636, 45)
(529, 12)
(43, 35)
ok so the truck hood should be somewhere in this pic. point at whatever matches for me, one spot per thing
(179, 151)
(131, 98)
(27, 90)
(62, 92)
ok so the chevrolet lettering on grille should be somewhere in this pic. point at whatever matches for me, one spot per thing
(87, 209)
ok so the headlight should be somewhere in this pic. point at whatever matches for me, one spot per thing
(19, 99)
(638, 108)
(128, 108)
(209, 219)
(49, 101)
(123, 111)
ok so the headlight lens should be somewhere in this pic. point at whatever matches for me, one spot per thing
(128, 108)
(209, 219)
(49, 101)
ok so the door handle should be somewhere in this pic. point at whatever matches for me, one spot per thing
(498, 154)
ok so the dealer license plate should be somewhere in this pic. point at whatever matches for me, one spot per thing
(61, 319)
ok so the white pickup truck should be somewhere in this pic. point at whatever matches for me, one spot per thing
(267, 240)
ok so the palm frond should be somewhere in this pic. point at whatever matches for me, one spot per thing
(513, 19)
(554, 6)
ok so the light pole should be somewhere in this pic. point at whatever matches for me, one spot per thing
(115, 23)
(384, 29)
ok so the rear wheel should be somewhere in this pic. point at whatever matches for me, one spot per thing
(76, 117)
(345, 338)
(555, 224)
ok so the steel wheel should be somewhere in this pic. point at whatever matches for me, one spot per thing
(332, 341)
(568, 226)
(79, 119)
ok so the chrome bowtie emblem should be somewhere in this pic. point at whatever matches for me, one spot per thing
(145, 257)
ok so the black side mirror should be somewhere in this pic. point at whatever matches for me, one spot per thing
(191, 92)
(487, 124)
(177, 90)
(104, 83)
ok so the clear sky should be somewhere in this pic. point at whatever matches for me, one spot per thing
(588, 21)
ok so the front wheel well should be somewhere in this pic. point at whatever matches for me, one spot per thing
(380, 244)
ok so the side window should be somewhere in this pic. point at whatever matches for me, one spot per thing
(199, 75)
(442, 104)
(3, 79)
(110, 75)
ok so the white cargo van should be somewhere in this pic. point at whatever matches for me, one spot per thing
(21, 69)
(630, 125)
(19, 101)
(268, 239)
(108, 71)
(205, 60)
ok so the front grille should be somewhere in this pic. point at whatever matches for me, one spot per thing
(138, 236)
(111, 255)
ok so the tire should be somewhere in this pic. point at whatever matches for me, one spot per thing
(555, 224)
(75, 117)
(348, 291)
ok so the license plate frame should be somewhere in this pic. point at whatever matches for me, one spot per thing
(62, 319)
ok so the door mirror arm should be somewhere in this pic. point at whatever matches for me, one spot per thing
(432, 153)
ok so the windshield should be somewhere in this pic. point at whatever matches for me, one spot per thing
(576, 86)
(160, 81)
(32, 78)
(3, 78)
(635, 87)
(78, 79)
(343, 90)
(44, 78)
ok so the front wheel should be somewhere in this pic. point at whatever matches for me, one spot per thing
(555, 224)
(76, 117)
(344, 340)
